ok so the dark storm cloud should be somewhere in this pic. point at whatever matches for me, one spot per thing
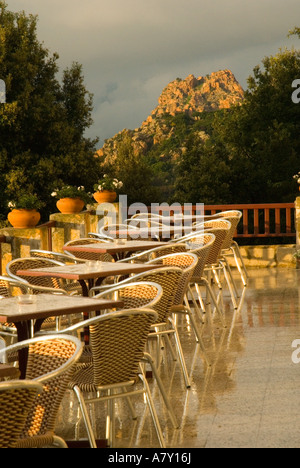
(131, 49)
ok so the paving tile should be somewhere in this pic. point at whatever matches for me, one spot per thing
(249, 397)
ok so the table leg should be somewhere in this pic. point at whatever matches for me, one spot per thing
(23, 330)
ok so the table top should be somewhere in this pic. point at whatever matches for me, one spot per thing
(88, 270)
(115, 247)
(48, 305)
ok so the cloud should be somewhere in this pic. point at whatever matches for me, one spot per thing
(131, 49)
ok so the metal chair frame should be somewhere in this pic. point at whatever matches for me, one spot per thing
(107, 370)
(169, 278)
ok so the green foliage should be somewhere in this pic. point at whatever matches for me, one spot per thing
(70, 191)
(262, 135)
(27, 201)
(43, 123)
(108, 183)
(202, 174)
(135, 172)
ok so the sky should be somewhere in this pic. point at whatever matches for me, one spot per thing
(131, 49)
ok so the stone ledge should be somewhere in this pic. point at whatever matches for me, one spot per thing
(268, 256)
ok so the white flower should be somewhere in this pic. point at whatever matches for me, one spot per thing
(53, 194)
(11, 205)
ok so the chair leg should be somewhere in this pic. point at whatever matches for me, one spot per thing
(199, 310)
(196, 331)
(238, 256)
(233, 282)
(180, 353)
(230, 284)
(110, 420)
(153, 412)
(130, 406)
(85, 416)
(162, 390)
(211, 293)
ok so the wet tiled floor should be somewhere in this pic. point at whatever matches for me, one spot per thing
(248, 397)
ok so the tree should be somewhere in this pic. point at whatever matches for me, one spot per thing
(262, 135)
(202, 174)
(135, 172)
(43, 123)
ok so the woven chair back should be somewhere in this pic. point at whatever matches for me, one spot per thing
(44, 357)
(167, 250)
(93, 256)
(234, 218)
(201, 246)
(29, 263)
(60, 257)
(135, 295)
(118, 343)
(10, 287)
(16, 401)
(115, 231)
(221, 229)
(157, 252)
(169, 279)
(187, 262)
(51, 362)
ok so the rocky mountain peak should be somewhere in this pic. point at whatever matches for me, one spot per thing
(190, 96)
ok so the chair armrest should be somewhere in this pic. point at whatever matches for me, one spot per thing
(44, 289)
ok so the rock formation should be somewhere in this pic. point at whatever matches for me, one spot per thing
(190, 96)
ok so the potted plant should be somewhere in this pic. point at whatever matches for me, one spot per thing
(71, 199)
(24, 211)
(106, 189)
(296, 177)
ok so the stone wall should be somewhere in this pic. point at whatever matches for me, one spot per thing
(19, 242)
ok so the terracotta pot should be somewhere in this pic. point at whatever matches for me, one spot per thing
(70, 205)
(105, 197)
(23, 219)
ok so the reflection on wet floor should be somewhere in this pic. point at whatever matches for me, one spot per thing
(248, 397)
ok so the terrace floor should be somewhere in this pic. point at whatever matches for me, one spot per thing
(249, 397)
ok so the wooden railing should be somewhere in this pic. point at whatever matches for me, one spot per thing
(258, 220)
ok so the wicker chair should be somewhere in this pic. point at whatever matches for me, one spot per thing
(41, 284)
(60, 257)
(154, 227)
(111, 232)
(51, 362)
(118, 342)
(204, 247)
(231, 247)
(141, 219)
(88, 255)
(141, 295)
(188, 262)
(16, 400)
(216, 262)
(157, 252)
(134, 295)
(169, 279)
(96, 235)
